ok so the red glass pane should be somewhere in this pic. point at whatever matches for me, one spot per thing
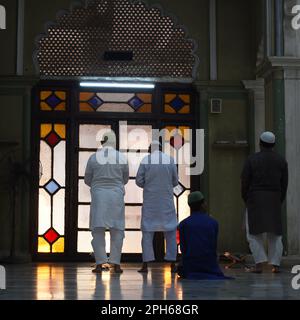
(53, 139)
(51, 236)
(177, 141)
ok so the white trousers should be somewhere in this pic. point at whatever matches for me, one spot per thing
(257, 246)
(171, 246)
(116, 244)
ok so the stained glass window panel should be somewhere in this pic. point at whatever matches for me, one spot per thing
(59, 212)
(115, 97)
(51, 215)
(132, 242)
(133, 217)
(83, 160)
(59, 163)
(183, 209)
(84, 194)
(177, 103)
(43, 246)
(90, 135)
(84, 240)
(59, 246)
(44, 211)
(134, 161)
(133, 194)
(115, 107)
(83, 216)
(135, 137)
(45, 163)
(53, 100)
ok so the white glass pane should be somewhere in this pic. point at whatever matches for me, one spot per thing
(115, 107)
(84, 217)
(45, 163)
(84, 242)
(83, 159)
(184, 154)
(135, 137)
(44, 211)
(115, 97)
(59, 212)
(84, 194)
(59, 170)
(134, 161)
(132, 242)
(184, 209)
(184, 175)
(133, 217)
(90, 135)
(169, 150)
(133, 194)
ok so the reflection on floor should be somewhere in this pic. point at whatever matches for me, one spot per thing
(71, 281)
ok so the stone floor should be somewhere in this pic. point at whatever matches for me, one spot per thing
(69, 281)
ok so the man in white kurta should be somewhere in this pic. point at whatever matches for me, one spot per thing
(106, 174)
(157, 175)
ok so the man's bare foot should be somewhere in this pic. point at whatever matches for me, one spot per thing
(144, 268)
(257, 269)
(98, 269)
(117, 269)
(276, 269)
(173, 267)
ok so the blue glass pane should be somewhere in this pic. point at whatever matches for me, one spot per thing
(95, 102)
(136, 103)
(177, 104)
(53, 101)
(52, 187)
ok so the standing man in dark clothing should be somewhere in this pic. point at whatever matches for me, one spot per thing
(264, 185)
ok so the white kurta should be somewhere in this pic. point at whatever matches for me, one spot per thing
(106, 174)
(157, 175)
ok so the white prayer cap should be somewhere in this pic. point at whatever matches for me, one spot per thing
(108, 138)
(268, 137)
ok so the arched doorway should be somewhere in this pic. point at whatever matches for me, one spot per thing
(67, 116)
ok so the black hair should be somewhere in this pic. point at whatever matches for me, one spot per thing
(197, 206)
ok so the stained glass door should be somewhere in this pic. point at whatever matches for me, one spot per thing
(67, 120)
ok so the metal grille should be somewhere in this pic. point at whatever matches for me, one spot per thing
(76, 44)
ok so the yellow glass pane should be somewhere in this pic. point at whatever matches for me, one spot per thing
(43, 246)
(168, 131)
(84, 106)
(45, 107)
(61, 95)
(60, 129)
(61, 107)
(185, 109)
(169, 97)
(85, 96)
(185, 132)
(45, 129)
(146, 98)
(59, 246)
(45, 94)
(169, 109)
(146, 108)
(185, 98)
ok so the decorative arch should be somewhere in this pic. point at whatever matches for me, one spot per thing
(78, 43)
